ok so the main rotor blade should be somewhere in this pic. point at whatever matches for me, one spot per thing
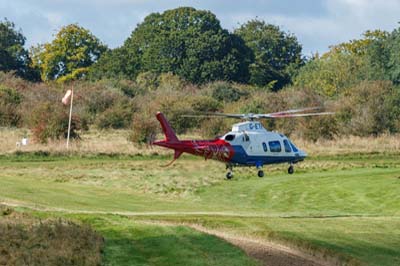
(282, 114)
(292, 111)
(278, 115)
(217, 115)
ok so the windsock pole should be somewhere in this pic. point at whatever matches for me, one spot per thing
(70, 116)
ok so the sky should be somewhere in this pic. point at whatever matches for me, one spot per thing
(316, 23)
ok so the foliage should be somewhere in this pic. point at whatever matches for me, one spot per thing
(368, 109)
(330, 74)
(13, 55)
(212, 128)
(50, 122)
(10, 99)
(117, 116)
(112, 65)
(170, 82)
(69, 55)
(276, 53)
(226, 92)
(147, 81)
(186, 42)
(144, 128)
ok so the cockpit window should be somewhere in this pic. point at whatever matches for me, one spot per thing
(287, 145)
(229, 137)
(294, 148)
(275, 146)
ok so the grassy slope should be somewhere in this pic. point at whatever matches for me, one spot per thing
(134, 243)
(353, 185)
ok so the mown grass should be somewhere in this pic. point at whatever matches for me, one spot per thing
(128, 242)
(342, 205)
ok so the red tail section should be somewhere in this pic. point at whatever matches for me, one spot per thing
(168, 131)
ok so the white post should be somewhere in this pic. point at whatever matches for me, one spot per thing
(70, 116)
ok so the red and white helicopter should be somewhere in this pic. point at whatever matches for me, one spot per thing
(247, 144)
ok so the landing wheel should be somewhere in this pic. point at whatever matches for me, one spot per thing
(290, 170)
(260, 173)
(229, 175)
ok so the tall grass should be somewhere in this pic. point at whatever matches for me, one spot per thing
(116, 142)
(25, 240)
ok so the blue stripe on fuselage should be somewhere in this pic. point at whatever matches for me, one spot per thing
(241, 157)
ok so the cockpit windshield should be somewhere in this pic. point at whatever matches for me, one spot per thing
(294, 148)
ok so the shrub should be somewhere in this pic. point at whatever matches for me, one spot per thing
(50, 121)
(169, 81)
(117, 116)
(368, 109)
(213, 127)
(148, 81)
(225, 92)
(144, 128)
(10, 99)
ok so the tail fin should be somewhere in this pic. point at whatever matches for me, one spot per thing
(168, 131)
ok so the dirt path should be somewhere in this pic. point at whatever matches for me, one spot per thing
(268, 253)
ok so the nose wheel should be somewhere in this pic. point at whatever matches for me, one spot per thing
(260, 173)
(229, 175)
(290, 170)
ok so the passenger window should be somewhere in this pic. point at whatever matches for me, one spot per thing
(275, 146)
(287, 145)
(265, 147)
(229, 137)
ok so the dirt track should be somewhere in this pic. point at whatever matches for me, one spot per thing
(268, 253)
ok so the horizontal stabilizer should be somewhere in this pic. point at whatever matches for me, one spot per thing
(177, 154)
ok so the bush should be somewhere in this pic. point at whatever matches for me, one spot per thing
(214, 127)
(369, 109)
(225, 92)
(148, 81)
(10, 99)
(144, 128)
(118, 116)
(171, 82)
(50, 122)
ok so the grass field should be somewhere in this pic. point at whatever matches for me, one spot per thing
(341, 206)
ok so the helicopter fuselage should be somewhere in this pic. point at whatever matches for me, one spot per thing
(247, 144)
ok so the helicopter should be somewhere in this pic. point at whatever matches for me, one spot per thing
(247, 144)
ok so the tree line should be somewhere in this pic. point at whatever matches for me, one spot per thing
(187, 42)
(183, 61)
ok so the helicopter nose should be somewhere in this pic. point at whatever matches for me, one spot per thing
(302, 154)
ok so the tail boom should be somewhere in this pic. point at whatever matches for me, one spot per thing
(214, 149)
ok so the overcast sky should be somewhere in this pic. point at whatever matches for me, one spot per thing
(316, 23)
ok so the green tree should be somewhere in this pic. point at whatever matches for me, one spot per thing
(69, 55)
(13, 56)
(331, 73)
(347, 64)
(118, 63)
(277, 54)
(187, 42)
